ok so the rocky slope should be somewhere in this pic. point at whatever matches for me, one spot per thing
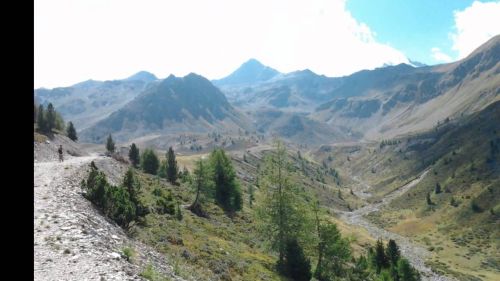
(74, 241)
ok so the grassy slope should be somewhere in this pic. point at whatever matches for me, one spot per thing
(219, 247)
(465, 242)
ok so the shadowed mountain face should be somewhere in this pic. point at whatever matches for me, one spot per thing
(88, 102)
(296, 91)
(401, 99)
(187, 104)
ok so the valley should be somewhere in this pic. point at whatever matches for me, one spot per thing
(402, 153)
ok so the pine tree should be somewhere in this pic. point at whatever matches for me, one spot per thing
(333, 251)
(171, 169)
(110, 144)
(59, 123)
(282, 215)
(186, 176)
(132, 185)
(453, 202)
(251, 196)
(178, 213)
(392, 252)
(203, 186)
(71, 132)
(380, 258)
(35, 109)
(296, 265)
(149, 162)
(406, 271)
(51, 118)
(438, 188)
(42, 124)
(133, 155)
(227, 190)
(162, 170)
(428, 198)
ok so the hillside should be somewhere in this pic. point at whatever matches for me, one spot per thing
(295, 91)
(299, 128)
(461, 222)
(173, 105)
(392, 101)
(90, 101)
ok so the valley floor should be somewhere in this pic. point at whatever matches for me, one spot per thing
(414, 253)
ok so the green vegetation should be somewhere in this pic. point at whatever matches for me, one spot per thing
(110, 144)
(71, 132)
(296, 265)
(48, 120)
(282, 212)
(333, 252)
(128, 253)
(151, 274)
(172, 169)
(227, 188)
(117, 202)
(133, 155)
(149, 162)
(210, 243)
(169, 168)
(203, 187)
(453, 198)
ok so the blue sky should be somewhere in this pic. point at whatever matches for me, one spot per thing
(77, 40)
(414, 27)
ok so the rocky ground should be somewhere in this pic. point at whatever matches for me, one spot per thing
(73, 240)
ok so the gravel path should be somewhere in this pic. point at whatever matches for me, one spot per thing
(414, 253)
(72, 240)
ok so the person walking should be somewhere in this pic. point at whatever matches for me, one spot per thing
(60, 150)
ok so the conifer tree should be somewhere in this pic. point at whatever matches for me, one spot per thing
(133, 155)
(296, 266)
(282, 215)
(41, 122)
(202, 184)
(438, 188)
(380, 257)
(392, 252)
(149, 162)
(110, 144)
(171, 169)
(50, 117)
(71, 132)
(227, 189)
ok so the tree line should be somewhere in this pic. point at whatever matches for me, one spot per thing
(49, 119)
(213, 178)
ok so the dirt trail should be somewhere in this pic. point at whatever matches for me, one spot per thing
(414, 253)
(72, 240)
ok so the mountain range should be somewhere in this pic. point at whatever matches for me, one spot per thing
(369, 104)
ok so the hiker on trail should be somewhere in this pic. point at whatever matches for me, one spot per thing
(60, 150)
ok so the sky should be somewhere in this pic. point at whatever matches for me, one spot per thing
(77, 40)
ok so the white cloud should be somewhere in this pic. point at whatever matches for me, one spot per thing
(438, 55)
(77, 40)
(475, 25)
